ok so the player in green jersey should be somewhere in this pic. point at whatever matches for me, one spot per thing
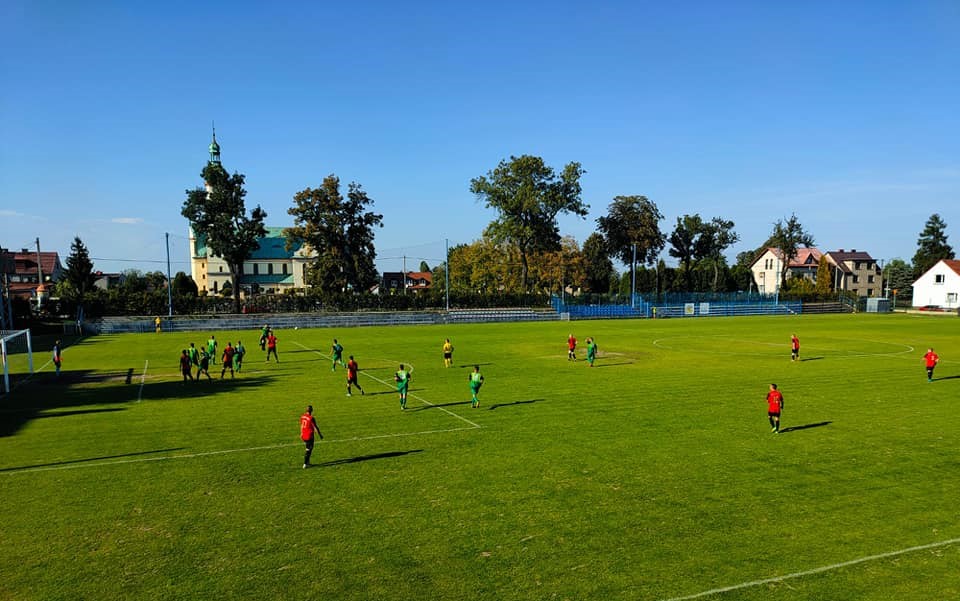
(591, 351)
(336, 355)
(476, 381)
(402, 378)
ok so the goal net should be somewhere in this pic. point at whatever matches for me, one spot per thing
(16, 349)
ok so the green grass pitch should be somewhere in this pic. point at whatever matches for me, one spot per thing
(652, 476)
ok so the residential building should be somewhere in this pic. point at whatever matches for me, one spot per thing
(939, 286)
(396, 281)
(23, 280)
(855, 271)
(106, 281)
(767, 267)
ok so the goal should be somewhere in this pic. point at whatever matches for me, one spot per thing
(16, 351)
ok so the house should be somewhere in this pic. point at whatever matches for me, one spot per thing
(106, 281)
(767, 267)
(939, 286)
(24, 279)
(396, 281)
(855, 271)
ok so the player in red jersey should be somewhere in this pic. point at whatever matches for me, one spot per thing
(794, 348)
(186, 367)
(931, 359)
(227, 359)
(272, 346)
(308, 425)
(352, 369)
(774, 407)
(571, 348)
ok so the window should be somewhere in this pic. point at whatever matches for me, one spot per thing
(284, 268)
(869, 291)
(939, 278)
(220, 269)
(856, 279)
(951, 298)
(869, 279)
(269, 268)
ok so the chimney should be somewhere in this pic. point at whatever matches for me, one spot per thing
(853, 250)
(840, 251)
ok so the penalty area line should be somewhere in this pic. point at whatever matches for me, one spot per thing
(820, 570)
(229, 451)
(387, 384)
(143, 378)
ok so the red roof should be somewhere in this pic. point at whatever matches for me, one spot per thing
(805, 257)
(953, 264)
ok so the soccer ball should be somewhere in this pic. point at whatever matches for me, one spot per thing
(296, 327)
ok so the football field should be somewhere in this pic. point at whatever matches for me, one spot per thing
(653, 475)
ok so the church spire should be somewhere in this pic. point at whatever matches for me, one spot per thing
(214, 148)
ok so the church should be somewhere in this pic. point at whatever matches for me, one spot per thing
(271, 269)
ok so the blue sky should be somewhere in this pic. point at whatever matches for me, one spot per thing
(844, 113)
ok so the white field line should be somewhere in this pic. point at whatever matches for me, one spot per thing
(387, 384)
(228, 451)
(143, 378)
(835, 566)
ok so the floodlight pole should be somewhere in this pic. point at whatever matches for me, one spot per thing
(446, 271)
(633, 278)
(169, 283)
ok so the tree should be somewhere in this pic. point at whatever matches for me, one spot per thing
(931, 246)
(424, 267)
(79, 270)
(598, 267)
(218, 215)
(340, 231)
(898, 276)
(685, 243)
(787, 237)
(717, 236)
(633, 220)
(529, 195)
(823, 277)
(183, 285)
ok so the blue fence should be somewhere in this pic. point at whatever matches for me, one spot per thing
(677, 308)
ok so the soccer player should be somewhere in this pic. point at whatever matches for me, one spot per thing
(308, 425)
(931, 359)
(774, 407)
(212, 347)
(194, 355)
(204, 367)
(227, 360)
(238, 352)
(272, 346)
(157, 323)
(402, 378)
(591, 351)
(447, 353)
(336, 355)
(263, 336)
(476, 381)
(794, 348)
(571, 348)
(57, 357)
(186, 367)
(352, 369)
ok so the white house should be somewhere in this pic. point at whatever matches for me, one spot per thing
(939, 286)
(767, 267)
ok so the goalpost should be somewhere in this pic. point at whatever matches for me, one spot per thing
(16, 350)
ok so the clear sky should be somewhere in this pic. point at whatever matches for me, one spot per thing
(846, 113)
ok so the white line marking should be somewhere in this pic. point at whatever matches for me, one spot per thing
(227, 451)
(819, 570)
(143, 378)
(387, 384)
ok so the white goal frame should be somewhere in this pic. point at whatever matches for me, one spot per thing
(5, 337)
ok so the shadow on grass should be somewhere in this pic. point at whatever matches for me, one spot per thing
(437, 406)
(613, 364)
(367, 458)
(810, 359)
(44, 394)
(470, 365)
(37, 465)
(946, 378)
(804, 427)
(528, 402)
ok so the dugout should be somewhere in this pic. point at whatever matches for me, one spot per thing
(878, 305)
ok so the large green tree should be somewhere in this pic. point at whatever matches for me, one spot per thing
(633, 220)
(597, 264)
(898, 276)
(340, 231)
(528, 196)
(685, 243)
(717, 236)
(79, 272)
(218, 216)
(787, 237)
(931, 245)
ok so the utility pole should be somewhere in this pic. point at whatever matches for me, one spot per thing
(39, 274)
(446, 270)
(633, 278)
(169, 283)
